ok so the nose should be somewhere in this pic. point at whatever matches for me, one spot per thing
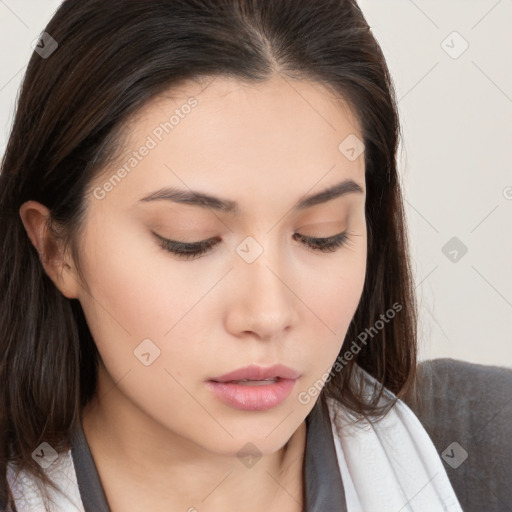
(262, 301)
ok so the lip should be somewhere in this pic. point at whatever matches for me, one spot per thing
(252, 397)
(256, 397)
(255, 372)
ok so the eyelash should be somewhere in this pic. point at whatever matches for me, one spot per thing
(192, 250)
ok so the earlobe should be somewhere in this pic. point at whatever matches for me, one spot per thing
(35, 218)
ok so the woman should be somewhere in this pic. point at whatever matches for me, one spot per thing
(208, 302)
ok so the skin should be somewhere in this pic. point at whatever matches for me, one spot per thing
(158, 435)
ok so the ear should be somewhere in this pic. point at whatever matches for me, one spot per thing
(57, 265)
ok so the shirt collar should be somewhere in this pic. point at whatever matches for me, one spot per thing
(323, 488)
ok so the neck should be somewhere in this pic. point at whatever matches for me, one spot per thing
(139, 460)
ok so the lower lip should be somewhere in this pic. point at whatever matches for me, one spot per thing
(252, 398)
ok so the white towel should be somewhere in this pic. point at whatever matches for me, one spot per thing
(28, 497)
(390, 465)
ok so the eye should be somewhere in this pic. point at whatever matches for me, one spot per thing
(187, 250)
(330, 244)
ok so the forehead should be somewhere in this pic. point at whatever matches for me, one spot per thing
(239, 140)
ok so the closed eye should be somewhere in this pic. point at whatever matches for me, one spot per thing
(190, 250)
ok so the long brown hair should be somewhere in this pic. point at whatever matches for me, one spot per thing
(112, 58)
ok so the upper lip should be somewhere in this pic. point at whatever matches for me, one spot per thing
(255, 372)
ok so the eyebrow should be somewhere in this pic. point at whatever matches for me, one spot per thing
(196, 198)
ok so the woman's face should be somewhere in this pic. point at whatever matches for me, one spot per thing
(164, 324)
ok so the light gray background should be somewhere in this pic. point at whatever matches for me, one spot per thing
(455, 160)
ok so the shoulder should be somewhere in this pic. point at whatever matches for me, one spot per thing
(455, 371)
(451, 390)
(466, 408)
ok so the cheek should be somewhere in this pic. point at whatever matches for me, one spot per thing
(138, 293)
(333, 296)
(336, 282)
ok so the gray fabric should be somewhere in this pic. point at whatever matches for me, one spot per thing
(323, 489)
(470, 404)
(89, 484)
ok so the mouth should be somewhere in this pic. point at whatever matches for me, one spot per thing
(249, 382)
(253, 387)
